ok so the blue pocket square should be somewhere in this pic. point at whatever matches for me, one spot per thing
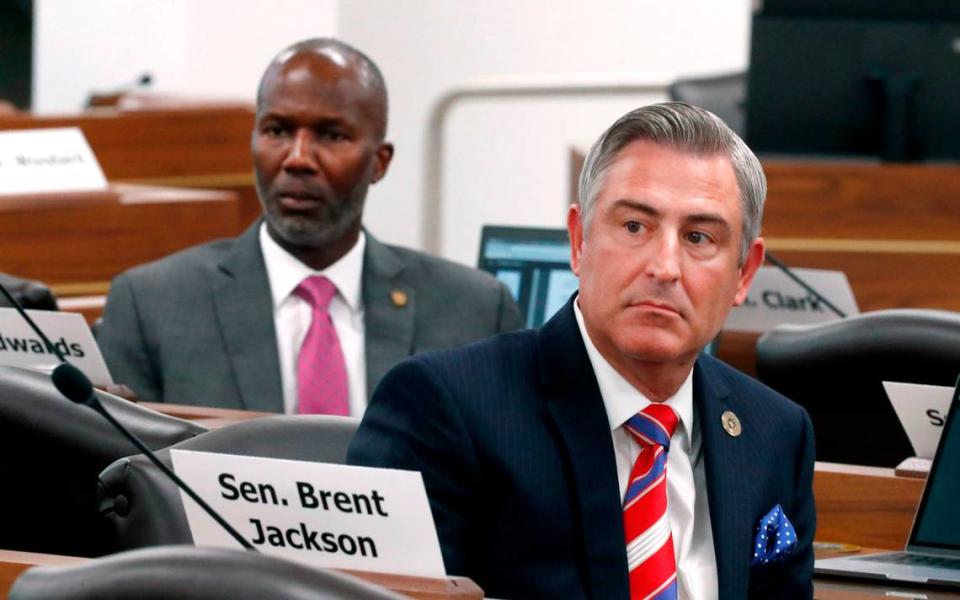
(776, 538)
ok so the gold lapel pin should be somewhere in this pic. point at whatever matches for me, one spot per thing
(399, 298)
(731, 424)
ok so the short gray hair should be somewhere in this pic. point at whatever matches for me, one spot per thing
(688, 129)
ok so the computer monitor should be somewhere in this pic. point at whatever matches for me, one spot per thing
(861, 78)
(534, 264)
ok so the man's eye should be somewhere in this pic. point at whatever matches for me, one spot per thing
(697, 237)
(273, 130)
(632, 226)
(334, 136)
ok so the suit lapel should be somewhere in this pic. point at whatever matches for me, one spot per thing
(389, 306)
(728, 463)
(577, 410)
(244, 309)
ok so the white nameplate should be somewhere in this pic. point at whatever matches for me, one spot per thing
(48, 160)
(321, 514)
(922, 410)
(20, 346)
(775, 299)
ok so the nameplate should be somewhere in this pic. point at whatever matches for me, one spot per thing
(321, 514)
(922, 410)
(20, 346)
(36, 161)
(775, 299)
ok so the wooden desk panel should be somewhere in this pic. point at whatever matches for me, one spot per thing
(146, 144)
(836, 200)
(866, 506)
(891, 228)
(201, 147)
(76, 243)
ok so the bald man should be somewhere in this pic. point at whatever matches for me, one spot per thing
(240, 324)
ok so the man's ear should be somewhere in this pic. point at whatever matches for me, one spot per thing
(749, 269)
(575, 231)
(383, 157)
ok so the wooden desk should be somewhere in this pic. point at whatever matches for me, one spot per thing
(892, 228)
(867, 506)
(77, 242)
(12, 564)
(188, 146)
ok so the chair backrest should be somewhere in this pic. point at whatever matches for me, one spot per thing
(723, 95)
(143, 507)
(835, 370)
(190, 573)
(51, 451)
(29, 293)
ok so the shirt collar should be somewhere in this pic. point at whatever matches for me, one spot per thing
(285, 271)
(620, 398)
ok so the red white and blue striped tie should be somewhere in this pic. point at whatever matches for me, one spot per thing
(650, 558)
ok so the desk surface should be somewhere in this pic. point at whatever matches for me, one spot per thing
(12, 564)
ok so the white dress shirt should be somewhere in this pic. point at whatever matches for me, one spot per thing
(292, 315)
(687, 506)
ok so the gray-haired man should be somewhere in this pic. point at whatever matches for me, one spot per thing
(602, 456)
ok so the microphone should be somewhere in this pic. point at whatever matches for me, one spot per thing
(75, 386)
(806, 286)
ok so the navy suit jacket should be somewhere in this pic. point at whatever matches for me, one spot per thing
(512, 438)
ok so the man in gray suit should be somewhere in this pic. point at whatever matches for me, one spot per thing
(222, 324)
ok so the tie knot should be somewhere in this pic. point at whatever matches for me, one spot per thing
(653, 425)
(317, 290)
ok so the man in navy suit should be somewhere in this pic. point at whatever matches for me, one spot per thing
(525, 441)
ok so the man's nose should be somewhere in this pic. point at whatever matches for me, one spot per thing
(302, 155)
(663, 264)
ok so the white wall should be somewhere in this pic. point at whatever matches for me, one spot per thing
(506, 161)
(202, 48)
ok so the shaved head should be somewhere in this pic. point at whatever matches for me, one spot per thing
(341, 56)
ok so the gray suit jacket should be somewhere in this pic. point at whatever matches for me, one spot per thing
(197, 327)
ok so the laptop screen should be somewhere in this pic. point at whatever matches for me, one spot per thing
(534, 264)
(938, 519)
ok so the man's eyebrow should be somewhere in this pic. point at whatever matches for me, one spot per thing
(708, 219)
(695, 218)
(638, 205)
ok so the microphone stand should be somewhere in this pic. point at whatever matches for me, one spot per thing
(75, 386)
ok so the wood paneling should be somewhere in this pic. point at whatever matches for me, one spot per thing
(835, 200)
(76, 243)
(866, 506)
(159, 143)
(205, 147)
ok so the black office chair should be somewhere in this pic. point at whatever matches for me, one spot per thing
(143, 507)
(190, 573)
(723, 95)
(835, 370)
(29, 293)
(51, 451)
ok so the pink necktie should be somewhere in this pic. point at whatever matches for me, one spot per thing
(650, 558)
(321, 372)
